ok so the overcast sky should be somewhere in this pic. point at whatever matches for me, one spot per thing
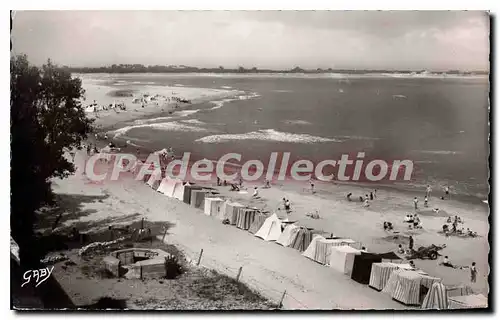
(273, 39)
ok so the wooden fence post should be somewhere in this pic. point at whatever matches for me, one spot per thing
(141, 272)
(199, 258)
(281, 301)
(239, 273)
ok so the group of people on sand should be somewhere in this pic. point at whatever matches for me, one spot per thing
(413, 221)
(366, 199)
(427, 197)
(453, 229)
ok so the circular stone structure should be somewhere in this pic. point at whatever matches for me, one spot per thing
(139, 263)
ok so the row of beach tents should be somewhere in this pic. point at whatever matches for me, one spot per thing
(384, 272)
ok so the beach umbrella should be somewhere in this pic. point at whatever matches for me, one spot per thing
(436, 298)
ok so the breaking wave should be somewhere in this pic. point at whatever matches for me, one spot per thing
(226, 87)
(266, 135)
(357, 138)
(299, 122)
(439, 152)
(185, 113)
(164, 126)
(193, 121)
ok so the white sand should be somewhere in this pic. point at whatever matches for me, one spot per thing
(268, 267)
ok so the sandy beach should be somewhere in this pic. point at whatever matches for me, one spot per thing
(269, 268)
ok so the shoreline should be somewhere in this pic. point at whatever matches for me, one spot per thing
(113, 123)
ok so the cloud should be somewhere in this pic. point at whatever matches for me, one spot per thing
(269, 39)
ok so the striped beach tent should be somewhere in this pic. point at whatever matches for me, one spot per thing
(404, 286)
(474, 301)
(288, 235)
(188, 188)
(245, 217)
(257, 223)
(342, 258)
(198, 198)
(231, 211)
(382, 271)
(324, 248)
(302, 239)
(436, 297)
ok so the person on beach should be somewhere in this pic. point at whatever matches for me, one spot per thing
(412, 265)
(415, 203)
(268, 184)
(400, 249)
(410, 244)
(446, 192)
(287, 206)
(360, 199)
(371, 195)
(428, 191)
(473, 272)
(218, 181)
(366, 203)
(255, 193)
(312, 186)
(349, 196)
(375, 193)
(446, 262)
(367, 197)
(426, 202)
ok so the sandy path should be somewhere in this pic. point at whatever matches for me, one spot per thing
(266, 266)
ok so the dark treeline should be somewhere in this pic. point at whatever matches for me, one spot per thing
(139, 68)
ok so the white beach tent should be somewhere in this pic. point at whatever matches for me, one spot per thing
(179, 192)
(169, 185)
(288, 235)
(213, 206)
(311, 249)
(271, 229)
(342, 258)
(324, 248)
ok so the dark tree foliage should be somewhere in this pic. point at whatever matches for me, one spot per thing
(46, 119)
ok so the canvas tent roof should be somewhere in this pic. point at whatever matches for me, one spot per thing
(389, 256)
(310, 252)
(288, 235)
(271, 229)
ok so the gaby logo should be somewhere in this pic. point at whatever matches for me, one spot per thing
(39, 275)
(229, 168)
